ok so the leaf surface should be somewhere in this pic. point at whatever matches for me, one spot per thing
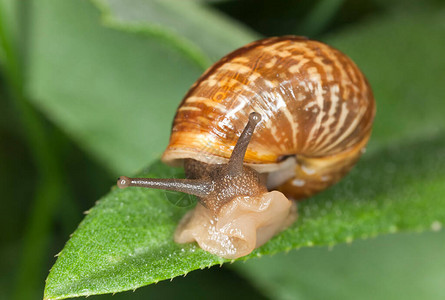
(401, 266)
(127, 239)
(181, 23)
(114, 92)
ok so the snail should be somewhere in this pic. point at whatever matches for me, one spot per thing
(275, 121)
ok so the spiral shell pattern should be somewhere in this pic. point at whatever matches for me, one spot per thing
(316, 106)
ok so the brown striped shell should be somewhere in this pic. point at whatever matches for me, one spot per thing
(317, 111)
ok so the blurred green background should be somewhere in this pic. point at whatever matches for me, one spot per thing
(88, 91)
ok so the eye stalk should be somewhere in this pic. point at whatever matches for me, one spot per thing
(214, 185)
(190, 186)
(235, 165)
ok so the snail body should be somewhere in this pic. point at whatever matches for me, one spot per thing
(309, 113)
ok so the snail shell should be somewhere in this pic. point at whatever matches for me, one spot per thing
(317, 111)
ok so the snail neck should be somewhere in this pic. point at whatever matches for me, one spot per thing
(224, 184)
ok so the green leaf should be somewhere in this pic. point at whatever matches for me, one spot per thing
(320, 16)
(127, 239)
(188, 25)
(401, 266)
(114, 92)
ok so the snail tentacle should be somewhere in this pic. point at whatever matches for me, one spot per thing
(235, 165)
(197, 187)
